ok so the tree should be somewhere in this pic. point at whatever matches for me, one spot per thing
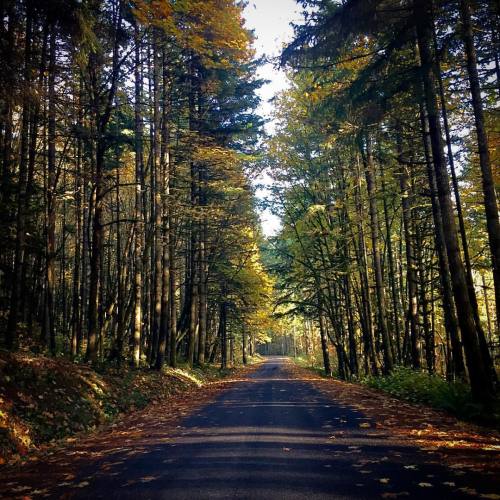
(362, 90)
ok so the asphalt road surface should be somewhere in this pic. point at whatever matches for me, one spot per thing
(272, 438)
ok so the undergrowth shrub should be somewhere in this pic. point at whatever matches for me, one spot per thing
(421, 387)
(312, 361)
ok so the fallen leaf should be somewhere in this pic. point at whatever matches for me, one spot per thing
(19, 489)
(469, 491)
(457, 466)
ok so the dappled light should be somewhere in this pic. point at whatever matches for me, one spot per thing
(277, 430)
(249, 249)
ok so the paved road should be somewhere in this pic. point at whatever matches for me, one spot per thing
(271, 438)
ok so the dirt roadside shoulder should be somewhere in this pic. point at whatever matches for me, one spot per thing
(460, 445)
(129, 435)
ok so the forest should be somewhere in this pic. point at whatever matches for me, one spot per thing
(128, 142)
(132, 147)
(386, 166)
(159, 339)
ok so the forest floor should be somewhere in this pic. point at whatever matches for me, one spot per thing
(51, 401)
(273, 431)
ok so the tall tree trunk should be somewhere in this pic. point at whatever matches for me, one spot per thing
(19, 256)
(7, 125)
(323, 335)
(353, 356)
(193, 325)
(393, 281)
(138, 209)
(481, 383)
(365, 310)
(78, 267)
(203, 269)
(51, 198)
(117, 348)
(158, 204)
(163, 344)
(377, 264)
(487, 307)
(101, 114)
(461, 222)
(490, 197)
(422, 289)
(411, 271)
(96, 255)
(223, 333)
(173, 300)
(244, 343)
(449, 311)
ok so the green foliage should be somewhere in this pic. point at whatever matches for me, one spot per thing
(313, 362)
(433, 390)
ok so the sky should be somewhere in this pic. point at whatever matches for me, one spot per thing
(270, 20)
